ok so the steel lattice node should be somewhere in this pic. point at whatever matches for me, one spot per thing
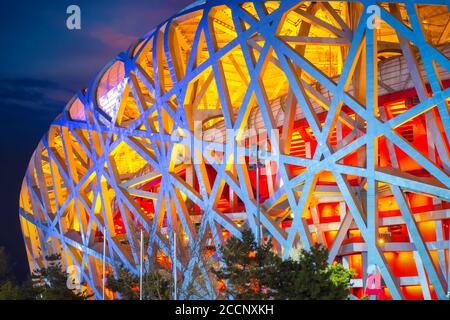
(347, 103)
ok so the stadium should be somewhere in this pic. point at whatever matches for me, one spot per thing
(307, 122)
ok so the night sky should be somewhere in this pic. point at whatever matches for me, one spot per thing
(42, 65)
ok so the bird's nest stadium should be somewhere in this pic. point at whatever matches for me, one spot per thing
(344, 103)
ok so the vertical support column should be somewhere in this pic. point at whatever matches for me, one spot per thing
(141, 264)
(190, 182)
(339, 135)
(174, 266)
(441, 251)
(316, 220)
(364, 265)
(308, 153)
(103, 263)
(371, 148)
(448, 257)
(231, 194)
(375, 254)
(342, 210)
(359, 85)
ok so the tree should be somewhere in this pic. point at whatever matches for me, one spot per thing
(341, 278)
(125, 284)
(5, 265)
(248, 268)
(47, 283)
(157, 284)
(50, 282)
(310, 277)
(9, 289)
(255, 272)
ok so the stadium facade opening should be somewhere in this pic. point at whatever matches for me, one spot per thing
(345, 105)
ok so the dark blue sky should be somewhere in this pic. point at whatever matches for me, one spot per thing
(42, 65)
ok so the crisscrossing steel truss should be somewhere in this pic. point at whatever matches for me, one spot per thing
(353, 97)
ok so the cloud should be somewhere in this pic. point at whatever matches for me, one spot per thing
(30, 82)
(33, 94)
(112, 38)
(125, 22)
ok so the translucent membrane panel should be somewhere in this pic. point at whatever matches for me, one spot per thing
(76, 110)
(110, 89)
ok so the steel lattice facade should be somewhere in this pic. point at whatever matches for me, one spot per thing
(356, 155)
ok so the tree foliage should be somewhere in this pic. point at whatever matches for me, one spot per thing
(255, 272)
(6, 265)
(9, 289)
(46, 283)
(250, 271)
(247, 268)
(158, 281)
(51, 282)
(156, 284)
